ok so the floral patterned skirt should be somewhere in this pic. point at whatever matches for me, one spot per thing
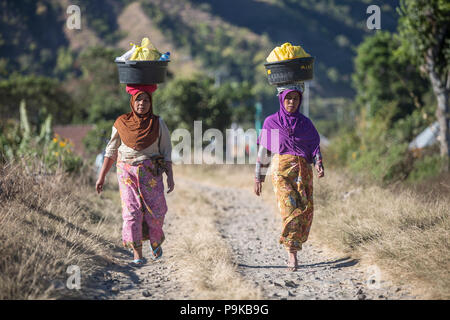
(143, 203)
(292, 179)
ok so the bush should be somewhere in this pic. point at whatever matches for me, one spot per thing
(394, 107)
(426, 167)
(373, 150)
(21, 141)
(43, 95)
(99, 95)
(96, 139)
(184, 101)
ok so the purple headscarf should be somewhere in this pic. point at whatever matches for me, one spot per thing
(297, 134)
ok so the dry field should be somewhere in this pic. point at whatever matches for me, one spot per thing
(405, 233)
(51, 222)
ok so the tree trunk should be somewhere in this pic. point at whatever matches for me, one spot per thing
(441, 91)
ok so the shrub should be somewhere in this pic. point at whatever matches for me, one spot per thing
(426, 167)
(96, 139)
(20, 141)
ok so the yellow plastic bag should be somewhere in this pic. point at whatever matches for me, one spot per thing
(285, 52)
(143, 53)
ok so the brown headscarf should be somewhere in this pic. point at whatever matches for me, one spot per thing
(138, 132)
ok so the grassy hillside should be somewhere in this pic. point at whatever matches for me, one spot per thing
(328, 30)
(30, 34)
(228, 41)
(233, 37)
(48, 225)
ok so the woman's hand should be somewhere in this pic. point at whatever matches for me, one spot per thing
(258, 188)
(320, 169)
(99, 184)
(107, 163)
(170, 183)
(169, 173)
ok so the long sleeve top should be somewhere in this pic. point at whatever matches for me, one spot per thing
(263, 163)
(119, 151)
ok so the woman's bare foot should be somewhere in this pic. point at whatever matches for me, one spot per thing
(292, 262)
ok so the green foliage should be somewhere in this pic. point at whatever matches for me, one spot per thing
(380, 79)
(43, 95)
(424, 25)
(409, 127)
(219, 47)
(424, 31)
(224, 50)
(373, 151)
(184, 101)
(343, 147)
(64, 63)
(331, 115)
(426, 167)
(31, 32)
(240, 98)
(99, 95)
(377, 147)
(101, 17)
(58, 154)
(328, 29)
(96, 139)
(393, 107)
(10, 139)
(19, 140)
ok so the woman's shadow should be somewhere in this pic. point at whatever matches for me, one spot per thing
(336, 264)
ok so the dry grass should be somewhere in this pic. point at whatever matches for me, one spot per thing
(196, 254)
(52, 222)
(48, 223)
(202, 260)
(403, 232)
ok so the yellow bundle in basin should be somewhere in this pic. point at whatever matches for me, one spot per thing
(143, 53)
(285, 52)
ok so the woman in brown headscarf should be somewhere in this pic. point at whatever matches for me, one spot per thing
(140, 143)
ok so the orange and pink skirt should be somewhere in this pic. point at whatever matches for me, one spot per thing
(143, 204)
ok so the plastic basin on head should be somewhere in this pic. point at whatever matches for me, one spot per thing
(142, 72)
(288, 71)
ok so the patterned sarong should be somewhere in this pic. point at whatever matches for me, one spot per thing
(292, 178)
(143, 203)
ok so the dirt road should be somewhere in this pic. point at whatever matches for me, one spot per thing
(250, 229)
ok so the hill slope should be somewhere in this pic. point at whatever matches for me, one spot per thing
(229, 38)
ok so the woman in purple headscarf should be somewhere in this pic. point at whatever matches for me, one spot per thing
(291, 143)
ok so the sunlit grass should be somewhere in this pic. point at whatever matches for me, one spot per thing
(406, 233)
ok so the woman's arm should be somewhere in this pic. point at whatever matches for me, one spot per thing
(318, 164)
(165, 149)
(170, 181)
(262, 164)
(111, 152)
(165, 145)
(107, 164)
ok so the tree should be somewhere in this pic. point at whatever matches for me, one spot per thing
(384, 85)
(241, 98)
(43, 96)
(424, 32)
(183, 101)
(393, 107)
(99, 95)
